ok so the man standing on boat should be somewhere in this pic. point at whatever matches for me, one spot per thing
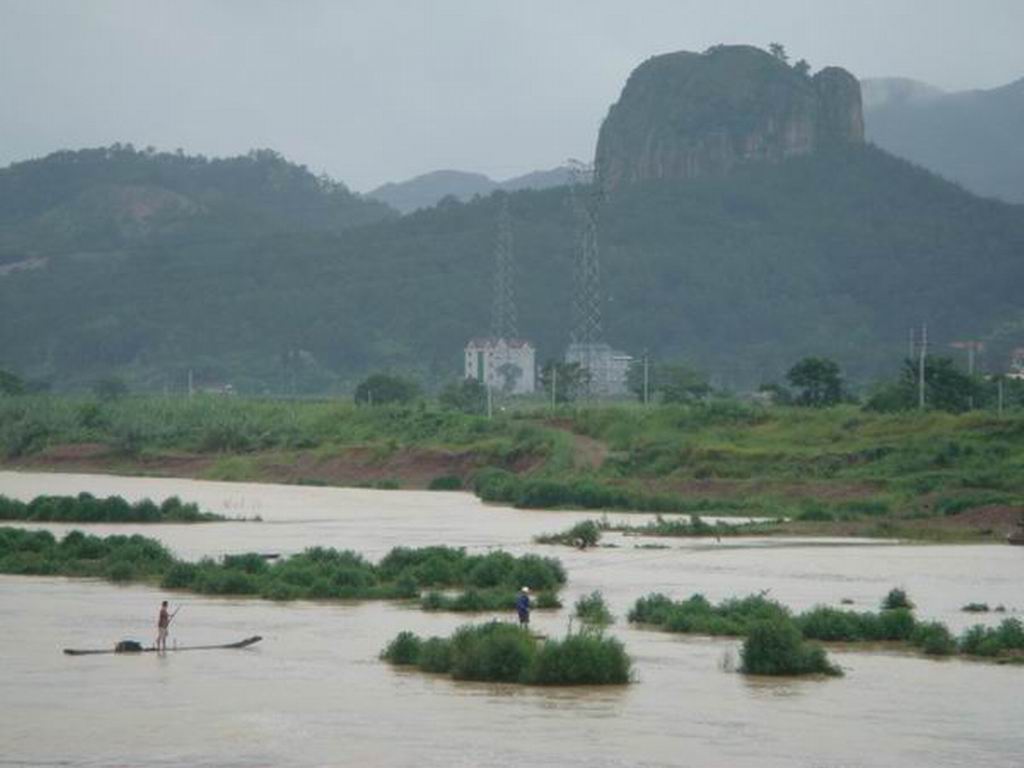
(162, 623)
(523, 607)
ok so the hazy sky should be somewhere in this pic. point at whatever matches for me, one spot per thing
(379, 90)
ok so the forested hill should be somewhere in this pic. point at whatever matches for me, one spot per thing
(837, 252)
(110, 197)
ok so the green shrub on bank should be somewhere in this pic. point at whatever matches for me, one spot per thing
(86, 508)
(445, 483)
(490, 580)
(501, 652)
(776, 647)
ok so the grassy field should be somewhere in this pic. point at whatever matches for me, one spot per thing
(842, 470)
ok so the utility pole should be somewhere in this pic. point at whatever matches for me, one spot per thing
(191, 390)
(490, 405)
(646, 378)
(554, 385)
(920, 368)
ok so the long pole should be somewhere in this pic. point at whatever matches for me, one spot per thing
(646, 378)
(920, 368)
(490, 406)
(554, 384)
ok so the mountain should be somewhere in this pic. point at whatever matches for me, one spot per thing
(429, 189)
(113, 197)
(740, 270)
(971, 137)
(686, 115)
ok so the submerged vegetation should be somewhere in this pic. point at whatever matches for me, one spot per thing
(86, 508)
(739, 616)
(501, 652)
(317, 573)
(775, 647)
(593, 610)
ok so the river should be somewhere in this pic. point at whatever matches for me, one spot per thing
(314, 693)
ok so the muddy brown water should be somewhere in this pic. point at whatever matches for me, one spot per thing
(314, 693)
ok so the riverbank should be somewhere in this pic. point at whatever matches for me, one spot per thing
(830, 472)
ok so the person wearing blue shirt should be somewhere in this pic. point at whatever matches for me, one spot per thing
(523, 607)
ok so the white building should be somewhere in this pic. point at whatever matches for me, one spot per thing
(608, 367)
(505, 365)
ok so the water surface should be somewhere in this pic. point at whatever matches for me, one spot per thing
(314, 693)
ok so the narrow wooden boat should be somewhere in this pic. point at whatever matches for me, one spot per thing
(152, 649)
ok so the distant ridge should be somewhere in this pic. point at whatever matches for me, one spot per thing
(429, 189)
(970, 137)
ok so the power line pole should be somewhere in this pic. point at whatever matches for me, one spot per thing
(920, 368)
(645, 377)
(554, 385)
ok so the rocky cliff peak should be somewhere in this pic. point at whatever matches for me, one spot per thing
(684, 115)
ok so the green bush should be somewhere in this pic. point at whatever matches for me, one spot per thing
(776, 647)
(403, 650)
(934, 639)
(897, 598)
(592, 609)
(584, 658)
(505, 653)
(494, 651)
(446, 483)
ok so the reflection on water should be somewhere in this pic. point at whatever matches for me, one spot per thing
(314, 693)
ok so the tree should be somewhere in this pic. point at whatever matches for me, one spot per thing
(467, 396)
(819, 381)
(803, 67)
(778, 50)
(568, 379)
(11, 384)
(386, 389)
(945, 388)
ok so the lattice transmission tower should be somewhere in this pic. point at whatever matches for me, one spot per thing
(587, 332)
(504, 320)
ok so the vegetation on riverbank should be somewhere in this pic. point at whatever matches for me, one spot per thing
(499, 652)
(827, 471)
(86, 508)
(738, 617)
(317, 573)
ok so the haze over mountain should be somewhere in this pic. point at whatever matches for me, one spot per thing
(972, 137)
(807, 241)
(429, 189)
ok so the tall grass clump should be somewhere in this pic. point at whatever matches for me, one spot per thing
(776, 647)
(584, 534)
(498, 652)
(593, 610)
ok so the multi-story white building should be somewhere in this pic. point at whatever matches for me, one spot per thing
(608, 367)
(505, 365)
